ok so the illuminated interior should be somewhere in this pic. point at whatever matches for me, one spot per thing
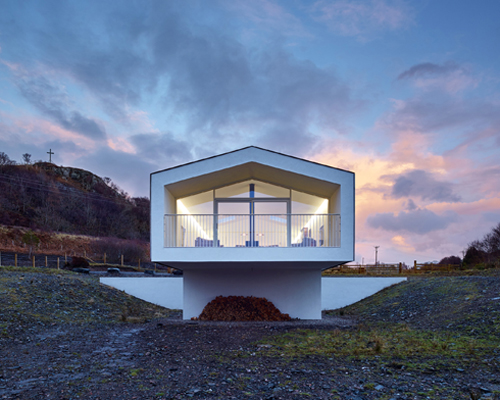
(252, 214)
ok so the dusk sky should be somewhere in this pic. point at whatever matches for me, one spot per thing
(406, 94)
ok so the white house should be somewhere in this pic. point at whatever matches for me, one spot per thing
(253, 222)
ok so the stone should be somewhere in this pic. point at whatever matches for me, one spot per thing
(113, 270)
(81, 270)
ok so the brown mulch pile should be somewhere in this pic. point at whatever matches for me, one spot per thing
(240, 308)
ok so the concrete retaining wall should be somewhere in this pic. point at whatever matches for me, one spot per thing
(334, 293)
(337, 292)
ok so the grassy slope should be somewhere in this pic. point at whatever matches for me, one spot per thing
(31, 297)
(436, 323)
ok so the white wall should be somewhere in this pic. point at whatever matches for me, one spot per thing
(165, 292)
(334, 292)
(296, 292)
(339, 292)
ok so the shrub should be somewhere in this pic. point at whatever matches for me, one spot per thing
(114, 248)
(79, 262)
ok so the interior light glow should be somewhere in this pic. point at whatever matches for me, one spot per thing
(321, 210)
(185, 210)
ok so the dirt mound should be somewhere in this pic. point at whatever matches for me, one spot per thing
(240, 308)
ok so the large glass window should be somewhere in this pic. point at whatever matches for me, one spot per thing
(303, 203)
(202, 203)
(252, 214)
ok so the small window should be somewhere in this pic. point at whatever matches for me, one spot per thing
(261, 190)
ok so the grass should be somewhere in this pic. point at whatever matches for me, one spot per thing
(43, 296)
(399, 344)
(427, 323)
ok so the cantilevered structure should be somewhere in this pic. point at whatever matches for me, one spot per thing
(253, 222)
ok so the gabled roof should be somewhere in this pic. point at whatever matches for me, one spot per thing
(244, 148)
(252, 163)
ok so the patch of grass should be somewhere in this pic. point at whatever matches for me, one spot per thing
(36, 270)
(418, 349)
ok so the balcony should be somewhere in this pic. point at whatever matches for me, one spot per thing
(251, 230)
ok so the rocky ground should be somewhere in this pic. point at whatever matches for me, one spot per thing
(63, 336)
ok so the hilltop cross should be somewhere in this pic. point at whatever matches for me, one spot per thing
(50, 152)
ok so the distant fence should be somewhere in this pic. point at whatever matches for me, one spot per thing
(392, 269)
(58, 261)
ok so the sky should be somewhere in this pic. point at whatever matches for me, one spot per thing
(406, 94)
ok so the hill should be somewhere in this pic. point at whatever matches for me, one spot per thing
(34, 297)
(71, 200)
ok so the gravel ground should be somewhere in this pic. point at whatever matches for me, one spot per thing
(167, 358)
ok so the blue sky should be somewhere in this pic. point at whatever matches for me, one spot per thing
(403, 93)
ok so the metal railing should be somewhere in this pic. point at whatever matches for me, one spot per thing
(252, 230)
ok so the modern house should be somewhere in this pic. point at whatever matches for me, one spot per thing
(253, 222)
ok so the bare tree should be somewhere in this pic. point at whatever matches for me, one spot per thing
(5, 159)
(486, 250)
(27, 158)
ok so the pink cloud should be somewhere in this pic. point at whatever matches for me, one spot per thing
(34, 130)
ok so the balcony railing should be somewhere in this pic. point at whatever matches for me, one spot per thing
(252, 230)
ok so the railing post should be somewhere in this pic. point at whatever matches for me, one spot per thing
(289, 230)
(216, 233)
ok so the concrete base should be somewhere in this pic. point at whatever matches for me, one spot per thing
(290, 292)
(296, 292)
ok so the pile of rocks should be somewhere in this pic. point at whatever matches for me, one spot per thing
(240, 308)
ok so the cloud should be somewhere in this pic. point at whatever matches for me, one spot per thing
(230, 95)
(426, 69)
(268, 16)
(410, 205)
(419, 221)
(164, 149)
(431, 113)
(52, 101)
(449, 77)
(419, 183)
(363, 18)
(218, 92)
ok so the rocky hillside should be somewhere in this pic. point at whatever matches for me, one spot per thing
(65, 199)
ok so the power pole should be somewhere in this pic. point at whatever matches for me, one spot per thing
(376, 253)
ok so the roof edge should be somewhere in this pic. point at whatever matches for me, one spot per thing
(250, 147)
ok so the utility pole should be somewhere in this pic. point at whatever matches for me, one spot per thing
(376, 253)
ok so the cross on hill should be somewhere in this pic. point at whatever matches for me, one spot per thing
(50, 152)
